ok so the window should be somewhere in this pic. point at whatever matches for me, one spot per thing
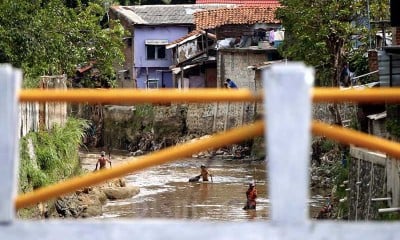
(155, 52)
(155, 49)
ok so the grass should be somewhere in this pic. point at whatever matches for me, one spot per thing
(47, 157)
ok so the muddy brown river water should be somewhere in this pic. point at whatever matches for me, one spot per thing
(166, 193)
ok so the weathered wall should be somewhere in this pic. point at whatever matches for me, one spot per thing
(396, 33)
(215, 117)
(348, 112)
(173, 120)
(372, 175)
(29, 117)
(34, 115)
(169, 123)
(51, 113)
(150, 66)
(373, 63)
(233, 64)
(128, 53)
(367, 180)
(120, 126)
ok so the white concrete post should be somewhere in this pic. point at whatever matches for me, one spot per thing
(10, 80)
(287, 88)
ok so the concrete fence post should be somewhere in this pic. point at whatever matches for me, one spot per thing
(10, 80)
(288, 130)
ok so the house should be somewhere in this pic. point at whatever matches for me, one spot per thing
(226, 41)
(151, 28)
(194, 60)
(242, 40)
(242, 29)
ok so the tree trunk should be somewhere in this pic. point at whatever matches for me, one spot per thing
(336, 46)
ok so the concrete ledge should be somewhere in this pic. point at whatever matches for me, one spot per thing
(145, 229)
(368, 155)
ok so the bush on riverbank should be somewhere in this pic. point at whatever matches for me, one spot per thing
(46, 157)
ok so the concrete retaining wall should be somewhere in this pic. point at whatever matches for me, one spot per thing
(367, 180)
(372, 175)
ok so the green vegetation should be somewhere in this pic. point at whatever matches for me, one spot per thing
(323, 34)
(393, 122)
(389, 216)
(328, 145)
(143, 112)
(55, 37)
(48, 157)
(341, 173)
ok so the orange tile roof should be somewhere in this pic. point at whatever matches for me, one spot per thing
(241, 15)
(246, 2)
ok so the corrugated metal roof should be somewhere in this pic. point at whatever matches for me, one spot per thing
(377, 116)
(163, 14)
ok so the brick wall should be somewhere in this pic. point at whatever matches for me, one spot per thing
(396, 33)
(373, 63)
(234, 31)
(234, 63)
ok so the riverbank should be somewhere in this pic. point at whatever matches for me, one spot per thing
(89, 202)
(167, 181)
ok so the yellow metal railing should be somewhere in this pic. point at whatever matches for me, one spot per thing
(199, 95)
(153, 159)
(343, 135)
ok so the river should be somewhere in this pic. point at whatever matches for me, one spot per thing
(166, 193)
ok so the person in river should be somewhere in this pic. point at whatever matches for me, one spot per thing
(251, 195)
(326, 210)
(204, 173)
(102, 161)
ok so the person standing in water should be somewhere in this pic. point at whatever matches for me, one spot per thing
(251, 195)
(205, 173)
(102, 161)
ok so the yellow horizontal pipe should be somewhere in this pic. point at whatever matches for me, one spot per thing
(199, 95)
(138, 95)
(367, 95)
(153, 159)
(350, 136)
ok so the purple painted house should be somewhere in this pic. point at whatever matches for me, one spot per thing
(152, 27)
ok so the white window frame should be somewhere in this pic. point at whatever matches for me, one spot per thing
(157, 44)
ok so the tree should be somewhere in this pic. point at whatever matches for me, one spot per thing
(52, 37)
(321, 32)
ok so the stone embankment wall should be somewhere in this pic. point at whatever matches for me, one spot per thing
(348, 113)
(128, 126)
(367, 181)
